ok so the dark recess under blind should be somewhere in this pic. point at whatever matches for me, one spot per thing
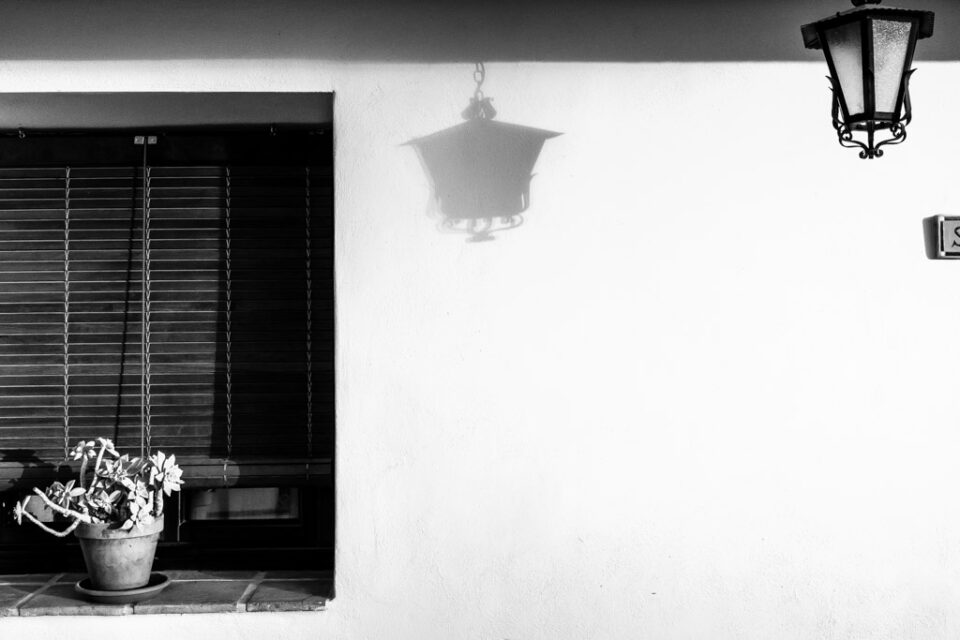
(240, 356)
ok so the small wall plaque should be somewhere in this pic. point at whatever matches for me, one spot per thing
(942, 237)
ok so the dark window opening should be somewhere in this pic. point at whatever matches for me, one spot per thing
(240, 333)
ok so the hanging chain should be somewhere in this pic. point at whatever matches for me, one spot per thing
(66, 317)
(145, 315)
(479, 75)
(480, 107)
(309, 327)
(228, 266)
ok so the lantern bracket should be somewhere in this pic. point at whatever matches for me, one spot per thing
(870, 148)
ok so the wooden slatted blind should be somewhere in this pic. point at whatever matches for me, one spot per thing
(32, 336)
(238, 357)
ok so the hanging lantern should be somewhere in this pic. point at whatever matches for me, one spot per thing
(869, 50)
(480, 170)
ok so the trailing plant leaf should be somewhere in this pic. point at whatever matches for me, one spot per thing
(165, 473)
(84, 450)
(123, 491)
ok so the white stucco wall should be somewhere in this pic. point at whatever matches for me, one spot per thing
(706, 391)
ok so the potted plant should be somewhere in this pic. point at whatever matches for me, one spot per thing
(116, 508)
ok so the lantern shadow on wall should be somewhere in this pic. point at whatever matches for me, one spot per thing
(480, 170)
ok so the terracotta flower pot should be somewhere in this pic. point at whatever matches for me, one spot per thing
(118, 560)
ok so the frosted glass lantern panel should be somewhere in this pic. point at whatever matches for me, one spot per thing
(890, 41)
(847, 52)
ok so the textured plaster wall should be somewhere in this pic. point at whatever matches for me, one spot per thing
(706, 391)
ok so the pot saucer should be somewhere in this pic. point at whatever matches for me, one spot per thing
(158, 582)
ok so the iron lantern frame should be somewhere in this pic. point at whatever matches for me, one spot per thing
(870, 120)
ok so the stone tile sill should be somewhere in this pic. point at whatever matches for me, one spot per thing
(188, 592)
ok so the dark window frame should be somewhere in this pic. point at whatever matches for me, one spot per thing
(306, 542)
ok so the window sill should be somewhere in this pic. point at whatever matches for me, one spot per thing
(188, 592)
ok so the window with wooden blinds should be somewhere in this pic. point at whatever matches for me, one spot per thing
(194, 274)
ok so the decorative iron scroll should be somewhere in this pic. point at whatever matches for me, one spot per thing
(870, 148)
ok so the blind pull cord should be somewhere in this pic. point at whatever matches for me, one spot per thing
(309, 321)
(145, 304)
(228, 267)
(66, 316)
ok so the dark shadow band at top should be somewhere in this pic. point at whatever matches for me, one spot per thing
(435, 31)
